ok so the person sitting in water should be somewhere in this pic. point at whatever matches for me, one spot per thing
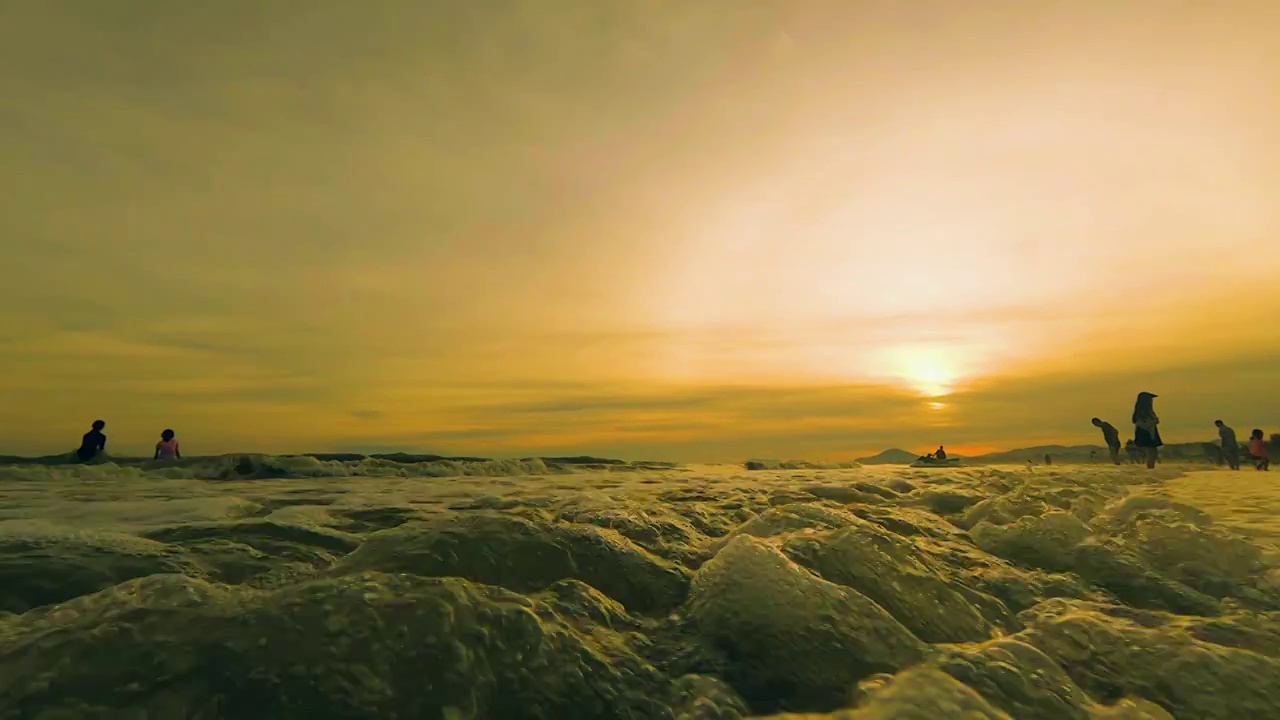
(940, 454)
(93, 444)
(1258, 449)
(167, 448)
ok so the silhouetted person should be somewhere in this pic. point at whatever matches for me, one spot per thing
(1230, 446)
(167, 448)
(1258, 449)
(1146, 430)
(940, 454)
(1048, 459)
(1133, 451)
(94, 442)
(1111, 435)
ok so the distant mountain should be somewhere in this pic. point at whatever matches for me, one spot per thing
(892, 456)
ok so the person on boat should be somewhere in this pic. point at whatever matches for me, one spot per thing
(1230, 446)
(93, 443)
(940, 454)
(167, 448)
(1258, 449)
(1146, 430)
(1111, 435)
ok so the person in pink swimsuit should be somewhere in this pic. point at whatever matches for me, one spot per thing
(1258, 449)
(167, 448)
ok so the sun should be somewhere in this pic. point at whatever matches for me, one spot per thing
(929, 378)
(929, 370)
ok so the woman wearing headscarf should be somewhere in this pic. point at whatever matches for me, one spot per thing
(1146, 430)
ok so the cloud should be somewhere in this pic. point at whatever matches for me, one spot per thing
(607, 404)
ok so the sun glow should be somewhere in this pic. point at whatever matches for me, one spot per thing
(930, 370)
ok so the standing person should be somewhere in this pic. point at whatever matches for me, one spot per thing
(93, 443)
(1133, 451)
(1048, 459)
(1146, 430)
(167, 448)
(1111, 435)
(1230, 446)
(1258, 449)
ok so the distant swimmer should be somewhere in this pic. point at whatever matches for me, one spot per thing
(93, 444)
(167, 448)
(940, 454)
(1230, 446)
(1048, 459)
(1258, 449)
(1146, 430)
(1111, 436)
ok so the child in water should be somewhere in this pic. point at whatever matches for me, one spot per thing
(1258, 449)
(167, 448)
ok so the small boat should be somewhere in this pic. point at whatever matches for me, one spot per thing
(928, 462)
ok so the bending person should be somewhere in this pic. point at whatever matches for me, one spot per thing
(1111, 435)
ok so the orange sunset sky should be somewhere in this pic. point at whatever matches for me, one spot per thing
(661, 229)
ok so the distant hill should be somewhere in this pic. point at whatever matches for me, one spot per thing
(892, 456)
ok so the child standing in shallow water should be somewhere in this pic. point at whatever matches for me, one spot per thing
(1258, 449)
(167, 448)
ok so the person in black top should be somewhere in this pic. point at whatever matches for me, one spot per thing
(1146, 427)
(1230, 446)
(940, 454)
(94, 442)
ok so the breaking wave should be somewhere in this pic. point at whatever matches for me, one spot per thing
(798, 465)
(259, 467)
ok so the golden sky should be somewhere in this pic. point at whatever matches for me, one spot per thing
(665, 229)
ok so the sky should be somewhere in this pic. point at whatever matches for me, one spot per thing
(659, 229)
